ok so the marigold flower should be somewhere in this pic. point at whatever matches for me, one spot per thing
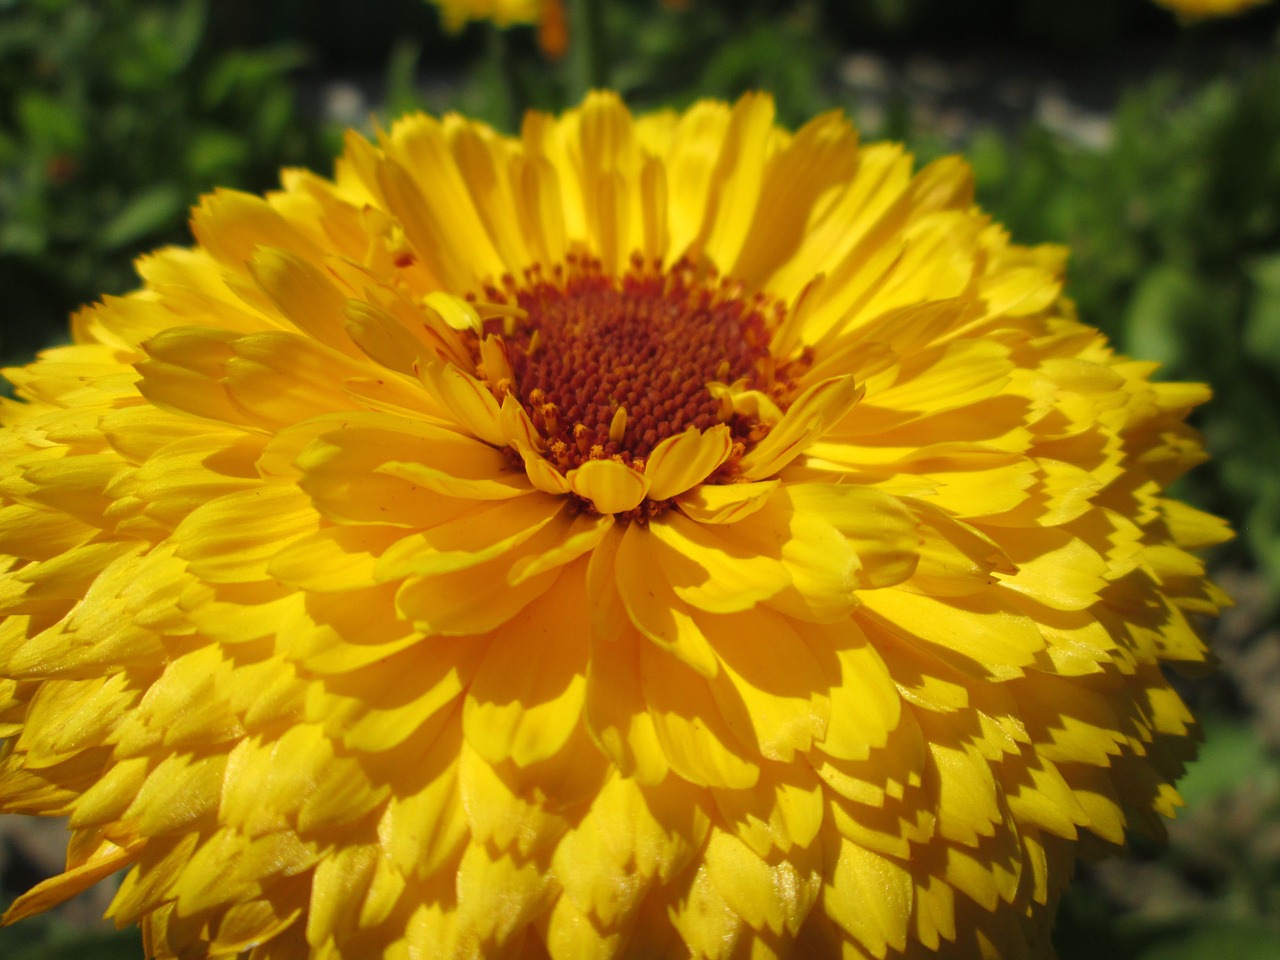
(1194, 10)
(649, 536)
(549, 16)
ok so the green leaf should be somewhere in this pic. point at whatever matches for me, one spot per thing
(185, 30)
(988, 155)
(213, 154)
(17, 34)
(51, 125)
(1262, 325)
(148, 212)
(275, 110)
(1218, 941)
(402, 69)
(124, 945)
(21, 238)
(1262, 527)
(1230, 754)
(247, 73)
(1160, 315)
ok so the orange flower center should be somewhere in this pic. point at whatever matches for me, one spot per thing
(608, 367)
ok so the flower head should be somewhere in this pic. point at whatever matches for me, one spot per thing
(549, 15)
(642, 537)
(1191, 11)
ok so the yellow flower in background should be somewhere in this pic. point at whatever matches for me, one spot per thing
(644, 537)
(548, 15)
(505, 13)
(1193, 10)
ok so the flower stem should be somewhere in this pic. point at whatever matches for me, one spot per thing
(503, 83)
(589, 58)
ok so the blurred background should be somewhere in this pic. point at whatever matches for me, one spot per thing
(1147, 143)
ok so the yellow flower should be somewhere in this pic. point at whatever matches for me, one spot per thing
(643, 537)
(505, 13)
(549, 15)
(1193, 10)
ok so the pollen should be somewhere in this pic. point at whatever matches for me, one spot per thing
(609, 367)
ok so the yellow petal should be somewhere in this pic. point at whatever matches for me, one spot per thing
(304, 293)
(1068, 575)
(229, 862)
(609, 486)
(583, 536)
(630, 837)
(470, 601)
(708, 568)
(697, 741)
(421, 214)
(497, 897)
(466, 399)
(527, 696)
(978, 633)
(725, 504)
(280, 378)
(819, 159)
(424, 825)
(865, 706)
(773, 897)
(816, 410)
(967, 805)
(231, 225)
(708, 925)
(366, 710)
(617, 715)
(232, 539)
(483, 159)
(774, 679)
(652, 605)
(48, 893)
(870, 897)
(336, 558)
(542, 207)
(571, 932)
(735, 185)
(955, 558)
(339, 460)
(787, 814)
(479, 535)
(182, 791)
(456, 312)
(187, 473)
(679, 462)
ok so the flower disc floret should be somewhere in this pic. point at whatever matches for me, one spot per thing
(610, 367)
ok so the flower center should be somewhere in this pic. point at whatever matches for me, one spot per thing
(608, 367)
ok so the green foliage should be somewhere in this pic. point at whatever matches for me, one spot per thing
(114, 117)
(62, 944)
(713, 50)
(658, 56)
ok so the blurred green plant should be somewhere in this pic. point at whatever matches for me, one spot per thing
(675, 54)
(114, 116)
(50, 940)
(657, 54)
